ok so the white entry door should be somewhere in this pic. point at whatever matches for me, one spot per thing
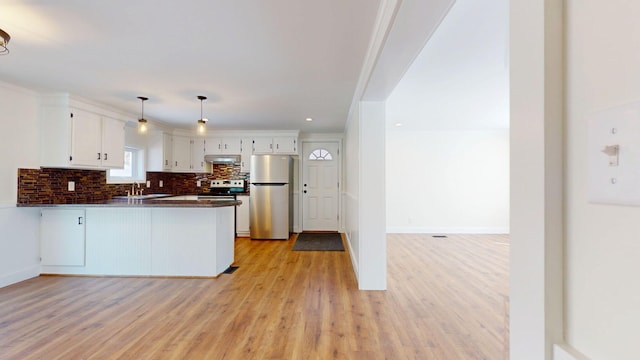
(320, 165)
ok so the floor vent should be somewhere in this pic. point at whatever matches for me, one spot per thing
(439, 236)
(230, 270)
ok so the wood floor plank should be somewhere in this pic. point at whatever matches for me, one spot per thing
(447, 298)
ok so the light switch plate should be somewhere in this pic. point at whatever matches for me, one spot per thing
(71, 186)
(198, 183)
(609, 181)
(148, 183)
(161, 184)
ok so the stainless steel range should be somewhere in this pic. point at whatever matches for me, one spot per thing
(224, 189)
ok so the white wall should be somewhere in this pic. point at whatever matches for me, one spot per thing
(351, 190)
(448, 164)
(448, 181)
(19, 234)
(602, 291)
(364, 194)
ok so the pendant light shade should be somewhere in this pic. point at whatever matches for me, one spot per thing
(142, 122)
(202, 123)
(4, 41)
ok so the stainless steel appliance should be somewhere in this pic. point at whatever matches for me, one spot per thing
(222, 159)
(269, 197)
(224, 189)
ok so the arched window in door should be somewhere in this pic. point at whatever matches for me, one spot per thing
(320, 154)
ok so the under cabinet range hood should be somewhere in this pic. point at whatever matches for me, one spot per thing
(222, 159)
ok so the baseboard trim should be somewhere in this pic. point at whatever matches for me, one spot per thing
(447, 230)
(16, 277)
(566, 352)
(354, 264)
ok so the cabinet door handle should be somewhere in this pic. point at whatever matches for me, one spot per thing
(98, 156)
(176, 163)
(105, 156)
(166, 162)
(277, 146)
(79, 220)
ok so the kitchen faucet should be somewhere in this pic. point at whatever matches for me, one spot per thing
(133, 191)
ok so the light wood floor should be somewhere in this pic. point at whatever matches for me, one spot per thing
(446, 299)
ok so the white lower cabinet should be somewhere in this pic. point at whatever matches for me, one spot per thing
(242, 216)
(62, 237)
(138, 241)
(118, 241)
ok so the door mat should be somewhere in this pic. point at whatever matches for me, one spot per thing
(318, 242)
(230, 270)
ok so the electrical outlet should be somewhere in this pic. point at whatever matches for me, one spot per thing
(71, 186)
(198, 183)
(161, 183)
(148, 183)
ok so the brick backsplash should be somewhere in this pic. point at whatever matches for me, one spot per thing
(49, 185)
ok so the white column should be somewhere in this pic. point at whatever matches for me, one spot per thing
(372, 219)
(536, 92)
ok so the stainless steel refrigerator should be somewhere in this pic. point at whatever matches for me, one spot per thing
(269, 196)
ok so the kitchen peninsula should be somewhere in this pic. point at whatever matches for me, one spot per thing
(137, 237)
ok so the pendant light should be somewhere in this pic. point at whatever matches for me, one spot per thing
(202, 123)
(142, 122)
(4, 41)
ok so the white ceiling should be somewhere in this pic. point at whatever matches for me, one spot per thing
(262, 64)
(460, 80)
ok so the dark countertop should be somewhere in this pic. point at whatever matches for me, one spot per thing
(153, 202)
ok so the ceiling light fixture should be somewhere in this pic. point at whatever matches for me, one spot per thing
(4, 41)
(142, 122)
(309, 119)
(202, 123)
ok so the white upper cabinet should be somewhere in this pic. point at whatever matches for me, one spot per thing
(223, 145)
(181, 153)
(246, 150)
(96, 140)
(112, 143)
(188, 154)
(262, 145)
(74, 137)
(197, 154)
(86, 138)
(278, 145)
(285, 145)
(159, 149)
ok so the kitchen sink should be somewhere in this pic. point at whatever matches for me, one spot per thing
(143, 197)
(199, 197)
